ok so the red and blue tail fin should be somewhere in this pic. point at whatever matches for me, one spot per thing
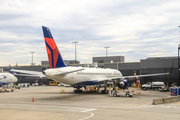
(54, 56)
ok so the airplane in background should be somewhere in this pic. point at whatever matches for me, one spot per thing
(7, 78)
(79, 77)
(26, 73)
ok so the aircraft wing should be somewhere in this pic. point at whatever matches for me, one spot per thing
(147, 75)
(67, 72)
(133, 76)
(27, 73)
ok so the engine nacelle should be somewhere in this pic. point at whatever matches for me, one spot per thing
(124, 84)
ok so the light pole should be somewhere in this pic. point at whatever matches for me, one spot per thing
(32, 58)
(178, 61)
(75, 49)
(179, 32)
(106, 50)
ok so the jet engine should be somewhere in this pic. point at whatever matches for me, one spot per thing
(124, 84)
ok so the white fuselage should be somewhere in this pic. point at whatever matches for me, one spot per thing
(28, 73)
(8, 78)
(88, 74)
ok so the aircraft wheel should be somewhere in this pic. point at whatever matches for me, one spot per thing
(80, 91)
(115, 95)
(77, 91)
(103, 91)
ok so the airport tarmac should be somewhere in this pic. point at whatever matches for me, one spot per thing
(49, 104)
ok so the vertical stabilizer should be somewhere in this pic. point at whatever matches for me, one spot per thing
(54, 56)
(11, 69)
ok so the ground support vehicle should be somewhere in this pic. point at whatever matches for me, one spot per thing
(59, 85)
(2, 88)
(164, 89)
(9, 89)
(35, 84)
(24, 84)
(53, 83)
(153, 85)
(6, 89)
(121, 93)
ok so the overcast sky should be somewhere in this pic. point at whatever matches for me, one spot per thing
(136, 29)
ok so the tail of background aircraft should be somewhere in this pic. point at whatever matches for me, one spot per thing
(54, 56)
(11, 69)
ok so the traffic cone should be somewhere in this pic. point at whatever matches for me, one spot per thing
(33, 99)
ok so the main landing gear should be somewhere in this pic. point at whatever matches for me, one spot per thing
(105, 87)
(104, 91)
(78, 90)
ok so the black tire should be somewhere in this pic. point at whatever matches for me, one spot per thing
(115, 95)
(103, 92)
(144, 88)
(75, 91)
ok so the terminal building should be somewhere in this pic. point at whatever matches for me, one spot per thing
(150, 66)
(145, 66)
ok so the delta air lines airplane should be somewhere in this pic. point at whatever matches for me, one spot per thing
(79, 77)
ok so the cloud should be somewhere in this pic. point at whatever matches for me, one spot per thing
(136, 29)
